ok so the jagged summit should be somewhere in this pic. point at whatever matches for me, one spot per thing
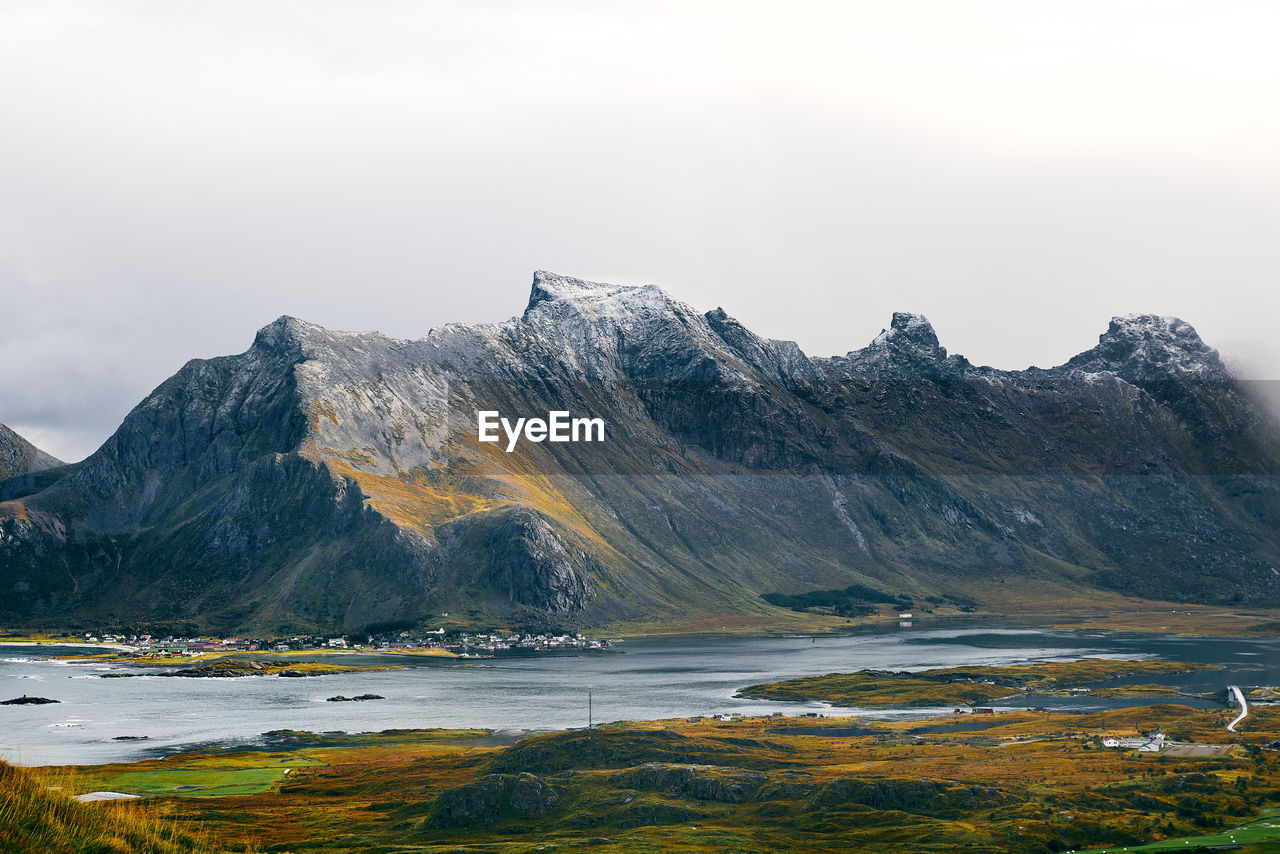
(601, 328)
(284, 330)
(292, 338)
(1134, 347)
(908, 328)
(551, 286)
(1140, 347)
(596, 297)
(908, 344)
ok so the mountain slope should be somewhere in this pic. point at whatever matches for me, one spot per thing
(329, 479)
(24, 468)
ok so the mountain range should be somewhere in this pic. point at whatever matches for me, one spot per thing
(329, 480)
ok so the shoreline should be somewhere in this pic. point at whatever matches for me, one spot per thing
(1111, 622)
(1139, 621)
(1124, 615)
(705, 703)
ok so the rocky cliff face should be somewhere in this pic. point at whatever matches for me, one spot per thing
(328, 479)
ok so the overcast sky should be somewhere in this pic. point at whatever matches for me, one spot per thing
(175, 175)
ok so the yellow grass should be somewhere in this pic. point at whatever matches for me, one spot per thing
(38, 816)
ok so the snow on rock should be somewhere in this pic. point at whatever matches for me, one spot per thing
(906, 327)
(909, 344)
(1140, 347)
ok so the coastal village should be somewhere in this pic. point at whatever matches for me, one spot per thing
(461, 644)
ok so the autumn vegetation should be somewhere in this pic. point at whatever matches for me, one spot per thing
(1015, 781)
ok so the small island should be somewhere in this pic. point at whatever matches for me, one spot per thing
(957, 686)
(231, 668)
(24, 700)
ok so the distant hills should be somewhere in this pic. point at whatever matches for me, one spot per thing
(333, 480)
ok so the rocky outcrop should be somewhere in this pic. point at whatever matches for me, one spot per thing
(519, 555)
(700, 782)
(225, 668)
(493, 798)
(907, 795)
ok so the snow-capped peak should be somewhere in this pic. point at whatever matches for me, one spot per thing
(1143, 346)
(599, 327)
(1150, 327)
(907, 327)
(282, 330)
(292, 337)
(909, 344)
(598, 297)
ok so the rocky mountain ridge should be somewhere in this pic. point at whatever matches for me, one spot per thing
(334, 480)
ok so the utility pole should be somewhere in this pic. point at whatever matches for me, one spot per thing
(589, 710)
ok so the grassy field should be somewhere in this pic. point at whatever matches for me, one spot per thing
(956, 686)
(869, 689)
(1015, 782)
(204, 776)
(1090, 611)
(250, 772)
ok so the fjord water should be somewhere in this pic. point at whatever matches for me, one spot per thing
(652, 678)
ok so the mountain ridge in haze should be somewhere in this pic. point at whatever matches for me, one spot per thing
(24, 468)
(326, 480)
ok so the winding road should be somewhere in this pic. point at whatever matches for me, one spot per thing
(1244, 707)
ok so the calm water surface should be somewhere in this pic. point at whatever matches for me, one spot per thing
(652, 678)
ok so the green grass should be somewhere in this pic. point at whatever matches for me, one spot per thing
(207, 776)
(867, 689)
(957, 686)
(1264, 830)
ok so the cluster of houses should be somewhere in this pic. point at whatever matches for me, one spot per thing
(177, 647)
(504, 643)
(1153, 743)
(462, 643)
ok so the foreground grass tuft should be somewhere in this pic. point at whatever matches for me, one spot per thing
(36, 818)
